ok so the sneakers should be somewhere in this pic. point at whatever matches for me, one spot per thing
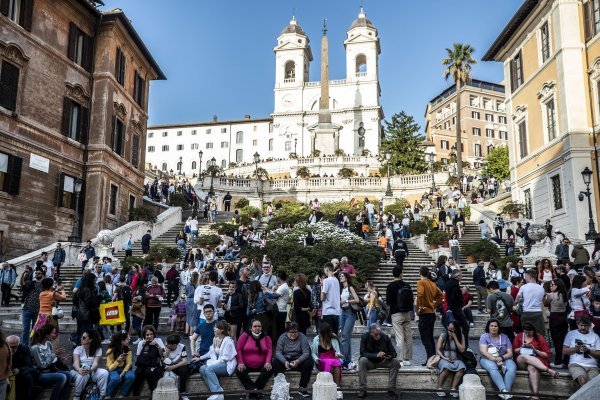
(406, 363)
(556, 365)
(440, 393)
(106, 341)
(339, 394)
(362, 393)
(454, 394)
(182, 398)
(352, 365)
(216, 397)
(504, 395)
(386, 324)
(472, 325)
(302, 393)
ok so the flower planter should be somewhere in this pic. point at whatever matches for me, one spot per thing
(433, 246)
(446, 243)
(471, 260)
(513, 215)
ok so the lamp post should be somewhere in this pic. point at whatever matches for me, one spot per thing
(78, 184)
(213, 162)
(587, 179)
(453, 158)
(431, 157)
(200, 165)
(180, 164)
(256, 160)
(388, 157)
(171, 171)
(296, 147)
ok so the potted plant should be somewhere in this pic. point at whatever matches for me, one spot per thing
(171, 254)
(303, 172)
(208, 240)
(417, 228)
(513, 209)
(481, 250)
(436, 238)
(156, 253)
(346, 172)
(340, 152)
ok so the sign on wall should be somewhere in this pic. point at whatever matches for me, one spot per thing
(38, 162)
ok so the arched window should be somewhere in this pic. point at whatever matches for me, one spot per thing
(490, 148)
(239, 137)
(290, 71)
(223, 164)
(164, 167)
(194, 165)
(239, 155)
(270, 144)
(361, 65)
(179, 165)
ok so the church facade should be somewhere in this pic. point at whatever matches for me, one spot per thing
(354, 107)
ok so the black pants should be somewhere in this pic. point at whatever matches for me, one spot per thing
(280, 324)
(183, 373)
(24, 384)
(509, 332)
(469, 315)
(6, 294)
(333, 321)
(498, 231)
(260, 382)
(172, 293)
(459, 315)
(56, 271)
(228, 206)
(268, 324)
(426, 324)
(152, 315)
(304, 367)
(558, 330)
(151, 375)
(399, 261)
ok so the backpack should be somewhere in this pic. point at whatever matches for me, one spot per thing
(91, 392)
(400, 251)
(126, 294)
(149, 357)
(404, 298)
(501, 309)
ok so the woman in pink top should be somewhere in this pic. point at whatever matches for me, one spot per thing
(254, 354)
(48, 298)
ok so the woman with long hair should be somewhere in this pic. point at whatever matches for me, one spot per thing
(136, 277)
(449, 345)
(234, 308)
(44, 359)
(118, 363)
(191, 309)
(86, 362)
(154, 297)
(348, 296)
(222, 355)
(556, 300)
(257, 310)
(372, 300)
(254, 354)
(302, 303)
(496, 355)
(578, 300)
(150, 352)
(325, 351)
(547, 272)
(510, 242)
(533, 354)
(48, 298)
(87, 310)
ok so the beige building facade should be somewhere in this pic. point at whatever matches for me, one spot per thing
(483, 121)
(550, 50)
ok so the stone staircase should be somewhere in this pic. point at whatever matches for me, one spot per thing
(472, 235)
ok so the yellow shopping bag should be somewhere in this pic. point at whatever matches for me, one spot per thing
(112, 313)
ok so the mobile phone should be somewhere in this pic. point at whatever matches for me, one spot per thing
(578, 342)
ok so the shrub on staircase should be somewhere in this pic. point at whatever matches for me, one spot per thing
(224, 228)
(142, 214)
(290, 214)
(437, 237)
(249, 212)
(241, 203)
(418, 228)
(178, 200)
(397, 208)
(483, 249)
(208, 240)
(156, 252)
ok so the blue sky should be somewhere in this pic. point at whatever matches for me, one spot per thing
(218, 55)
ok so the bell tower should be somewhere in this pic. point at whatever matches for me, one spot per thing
(362, 50)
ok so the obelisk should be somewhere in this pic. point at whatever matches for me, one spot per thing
(324, 113)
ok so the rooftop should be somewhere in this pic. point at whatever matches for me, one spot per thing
(476, 83)
(211, 123)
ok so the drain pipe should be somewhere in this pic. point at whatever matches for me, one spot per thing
(593, 119)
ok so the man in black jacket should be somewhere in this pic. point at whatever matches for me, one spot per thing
(400, 252)
(399, 298)
(455, 303)
(480, 285)
(377, 351)
(22, 367)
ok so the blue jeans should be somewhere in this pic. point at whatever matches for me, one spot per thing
(501, 382)
(136, 322)
(347, 320)
(211, 376)
(371, 217)
(372, 317)
(59, 382)
(29, 319)
(114, 377)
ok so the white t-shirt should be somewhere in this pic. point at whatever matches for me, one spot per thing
(331, 304)
(210, 294)
(176, 355)
(370, 208)
(84, 358)
(158, 341)
(284, 295)
(590, 340)
(49, 269)
(532, 295)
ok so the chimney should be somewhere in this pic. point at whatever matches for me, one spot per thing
(247, 116)
(215, 118)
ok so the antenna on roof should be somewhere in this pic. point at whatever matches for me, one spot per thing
(97, 3)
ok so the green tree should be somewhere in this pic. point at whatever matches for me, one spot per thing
(458, 63)
(497, 162)
(403, 139)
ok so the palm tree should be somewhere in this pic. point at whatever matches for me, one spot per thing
(458, 66)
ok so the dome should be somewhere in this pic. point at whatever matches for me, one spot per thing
(362, 21)
(293, 27)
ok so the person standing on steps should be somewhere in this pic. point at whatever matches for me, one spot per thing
(227, 201)
(480, 284)
(86, 254)
(330, 296)
(399, 297)
(400, 252)
(429, 297)
(455, 302)
(500, 306)
(58, 259)
(146, 243)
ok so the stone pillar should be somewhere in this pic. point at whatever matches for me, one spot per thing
(255, 201)
(166, 389)
(388, 200)
(324, 387)
(104, 244)
(471, 388)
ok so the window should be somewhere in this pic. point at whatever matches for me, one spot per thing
(194, 165)
(164, 167)
(223, 130)
(453, 120)
(118, 136)
(288, 145)
(135, 151)
(254, 143)
(476, 131)
(516, 72)
(444, 161)
(19, 11)
(489, 117)
(502, 119)
(545, 38)
(361, 65)
(194, 132)
(500, 106)
(139, 89)
(522, 129)
(9, 85)
(131, 202)
(474, 101)
(224, 145)
(112, 201)
(556, 192)
(150, 135)
(74, 121)
(10, 173)
(503, 135)
(209, 145)
(487, 104)
(81, 47)
(151, 149)
(179, 133)
(223, 164)
(445, 144)
(489, 133)
(528, 204)
(270, 127)
(66, 192)
(490, 148)
(165, 134)
(179, 147)
(208, 131)
(550, 119)
(289, 72)
(475, 115)
(195, 146)
(591, 17)
(239, 137)
(270, 144)
(165, 147)
(447, 125)
(477, 148)
(239, 155)
(120, 67)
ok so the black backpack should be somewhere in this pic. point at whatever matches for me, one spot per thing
(404, 298)
(149, 357)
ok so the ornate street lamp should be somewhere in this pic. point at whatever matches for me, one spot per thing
(587, 179)
(388, 157)
(172, 173)
(431, 158)
(453, 158)
(256, 160)
(200, 168)
(77, 185)
(180, 164)
(296, 147)
(213, 163)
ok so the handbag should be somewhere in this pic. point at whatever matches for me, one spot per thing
(82, 257)
(57, 312)
(358, 307)
(433, 361)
